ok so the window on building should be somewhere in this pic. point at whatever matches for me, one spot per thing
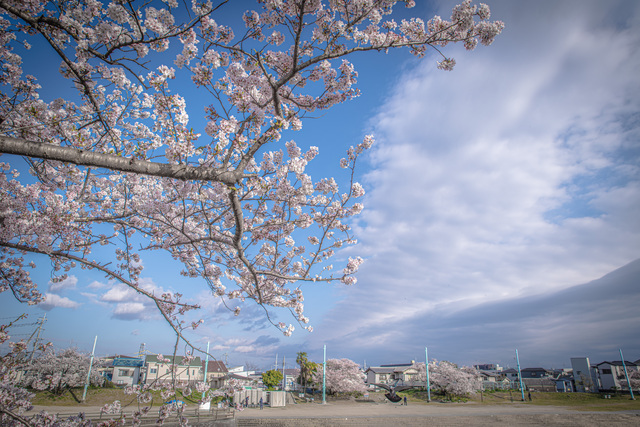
(123, 372)
(153, 370)
(606, 371)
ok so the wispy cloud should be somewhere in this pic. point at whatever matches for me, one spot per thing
(129, 304)
(514, 176)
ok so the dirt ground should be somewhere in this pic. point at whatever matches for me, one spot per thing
(349, 413)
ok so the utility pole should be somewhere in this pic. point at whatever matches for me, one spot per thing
(284, 377)
(86, 384)
(37, 332)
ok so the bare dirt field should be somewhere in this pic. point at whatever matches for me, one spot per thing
(350, 413)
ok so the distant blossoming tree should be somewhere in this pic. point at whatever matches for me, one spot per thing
(448, 379)
(343, 376)
(58, 371)
(634, 379)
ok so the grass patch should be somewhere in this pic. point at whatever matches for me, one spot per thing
(102, 396)
(577, 401)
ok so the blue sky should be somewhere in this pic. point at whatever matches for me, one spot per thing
(497, 195)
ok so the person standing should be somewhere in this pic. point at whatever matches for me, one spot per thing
(261, 403)
(405, 401)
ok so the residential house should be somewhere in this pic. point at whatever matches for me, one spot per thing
(239, 370)
(216, 373)
(170, 369)
(611, 374)
(494, 381)
(126, 370)
(510, 374)
(247, 382)
(488, 367)
(404, 373)
(536, 373)
(564, 382)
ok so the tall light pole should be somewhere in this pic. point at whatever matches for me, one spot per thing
(426, 358)
(626, 374)
(520, 375)
(324, 376)
(86, 384)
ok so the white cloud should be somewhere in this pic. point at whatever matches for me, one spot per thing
(502, 179)
(98, 285)
(128, 304)
(69, 282)
(53, 300)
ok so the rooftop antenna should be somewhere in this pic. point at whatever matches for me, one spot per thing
(141, 351)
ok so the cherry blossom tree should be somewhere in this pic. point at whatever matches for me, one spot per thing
(634, 379)
(58, 371)
(119, 162)
(448, 379)
(118, 168)
(343, 376)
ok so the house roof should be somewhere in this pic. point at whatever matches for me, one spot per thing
(534, 369)
(617, 363)
(381, 370)
(388, 369)
(397, 365)
(215, 366)
(238, 377)
(509, 371)
(178, 360)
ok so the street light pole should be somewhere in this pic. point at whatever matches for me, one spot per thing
(86, 384)
(426, 358)
(626, 374)
(324, 376)
(520, 375)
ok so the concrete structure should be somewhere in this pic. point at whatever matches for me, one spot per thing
(584, 378)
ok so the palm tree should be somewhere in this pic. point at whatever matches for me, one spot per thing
(302, 360)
